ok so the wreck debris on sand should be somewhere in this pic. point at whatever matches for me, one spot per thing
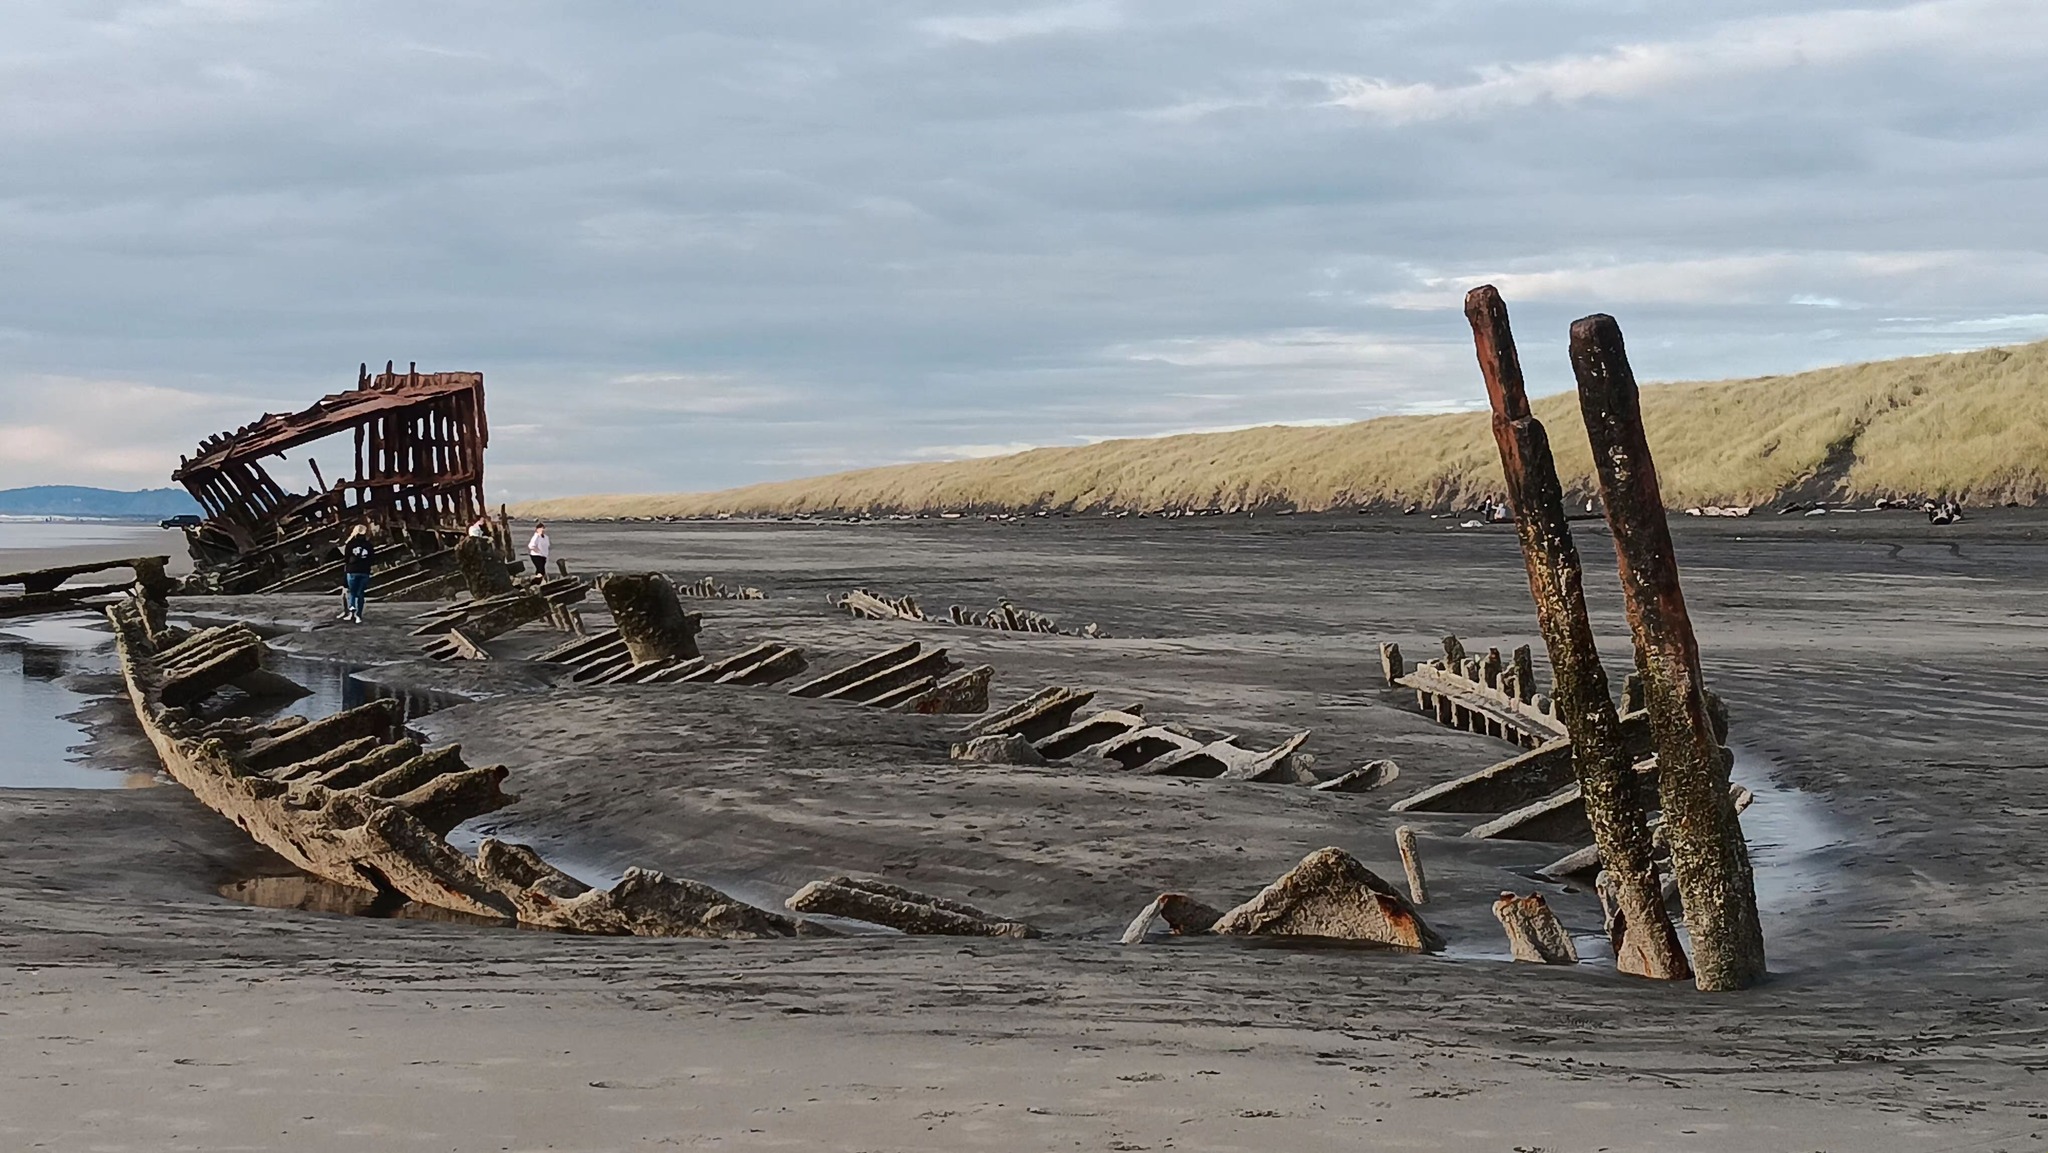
(353, 801)
(418, 480)
(45, 590)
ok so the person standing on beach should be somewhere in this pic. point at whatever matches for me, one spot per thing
(481, 526)
(537, 550)
(358, 555)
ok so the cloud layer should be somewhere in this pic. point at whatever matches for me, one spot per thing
(707, 245)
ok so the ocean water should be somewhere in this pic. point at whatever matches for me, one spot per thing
(1793, 840)
(38, 657)
(42, 659)
(39, 533)
(338, 686)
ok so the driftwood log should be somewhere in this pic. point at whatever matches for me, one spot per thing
(1587, 860)
(1221, 759)
(764, 663)
(1090, 731)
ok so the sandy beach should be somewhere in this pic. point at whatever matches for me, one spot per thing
(1883, 677)
(34, 544)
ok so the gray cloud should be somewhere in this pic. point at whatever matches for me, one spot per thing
(693, 249)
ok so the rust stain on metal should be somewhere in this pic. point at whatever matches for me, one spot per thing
(419, 440)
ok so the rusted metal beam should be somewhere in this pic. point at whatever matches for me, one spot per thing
(418, 476)
(1645, 943)
(1708, 855)
(335, 413)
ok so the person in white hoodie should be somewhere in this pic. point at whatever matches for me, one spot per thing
(537, 550)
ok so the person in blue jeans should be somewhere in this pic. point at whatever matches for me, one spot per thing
(358, 555)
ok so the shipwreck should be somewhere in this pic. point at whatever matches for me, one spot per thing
(418, 441)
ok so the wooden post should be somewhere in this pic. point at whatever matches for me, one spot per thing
(1708, 855)
(1411, 863)
(1525, 673)
(1454, 655)
(1645, 943)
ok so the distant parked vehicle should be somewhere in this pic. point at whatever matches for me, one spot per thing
(182, 520)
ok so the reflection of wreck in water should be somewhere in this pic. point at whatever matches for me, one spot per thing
(286, 888)
(419, 443)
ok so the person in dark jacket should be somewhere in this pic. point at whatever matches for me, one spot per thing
(358, 555)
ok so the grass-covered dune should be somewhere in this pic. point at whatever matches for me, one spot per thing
(1970, 425)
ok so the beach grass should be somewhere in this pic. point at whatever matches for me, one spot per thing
(1970, 425)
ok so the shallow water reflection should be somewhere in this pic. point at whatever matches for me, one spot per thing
(38, 656)
(1789, 832)
(334, 687)
(308, 894)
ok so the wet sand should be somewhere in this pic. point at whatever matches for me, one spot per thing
(29, 545)
(1884, 678)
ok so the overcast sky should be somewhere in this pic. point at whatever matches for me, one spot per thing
(696, 245)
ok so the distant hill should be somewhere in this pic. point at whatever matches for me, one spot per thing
(1971, 425)
(73, 500)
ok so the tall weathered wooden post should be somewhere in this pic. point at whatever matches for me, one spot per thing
(1708, 855)
(1645, 943)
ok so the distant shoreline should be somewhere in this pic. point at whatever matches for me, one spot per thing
(58, 518)
(84, 503)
